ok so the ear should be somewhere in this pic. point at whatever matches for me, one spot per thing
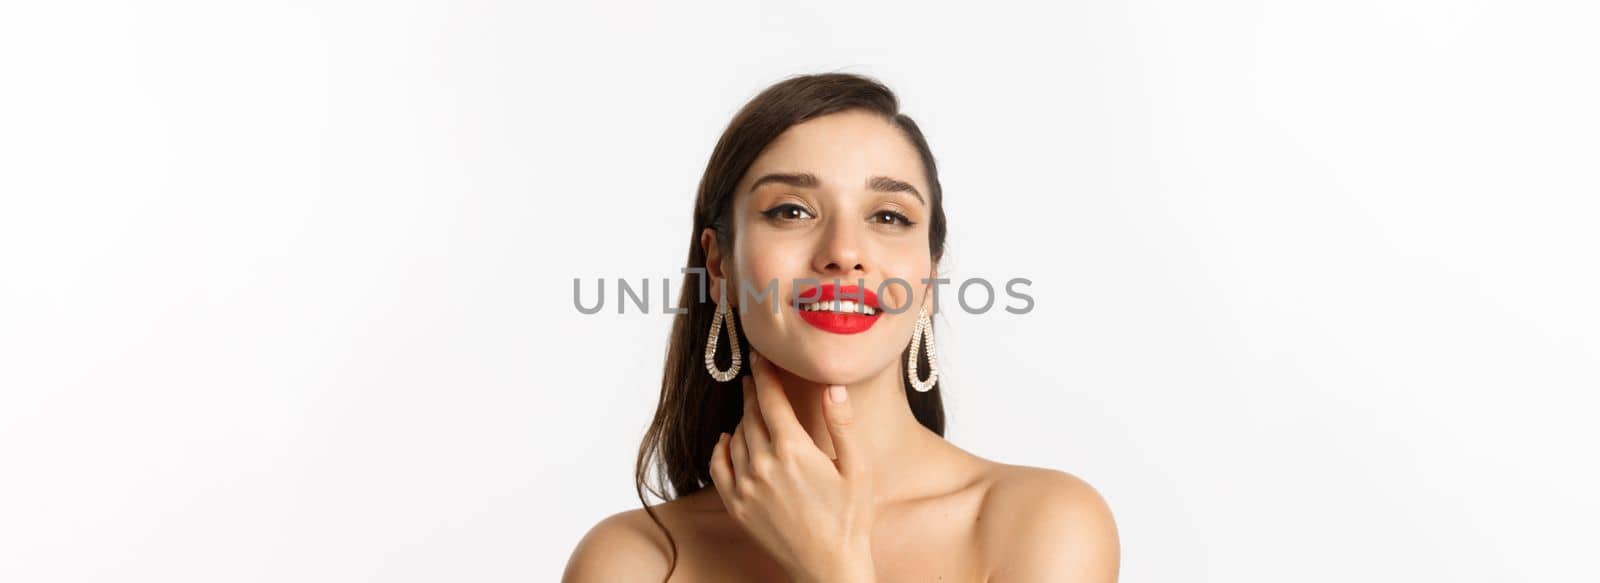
(716, 270)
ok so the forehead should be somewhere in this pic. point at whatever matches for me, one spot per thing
(843, 150)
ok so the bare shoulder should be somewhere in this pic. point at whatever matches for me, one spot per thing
(1044, 524)
(624, 547)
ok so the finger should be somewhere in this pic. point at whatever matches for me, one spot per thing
(722, 470)
(755, 428)
(739, 452)
(841, 428)
(781, 422)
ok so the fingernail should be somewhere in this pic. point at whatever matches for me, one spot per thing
(838, 394)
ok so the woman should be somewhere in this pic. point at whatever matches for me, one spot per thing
(815, 451)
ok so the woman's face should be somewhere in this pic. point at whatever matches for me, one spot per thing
(837, 197)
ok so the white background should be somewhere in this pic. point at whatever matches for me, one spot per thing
(285, 288)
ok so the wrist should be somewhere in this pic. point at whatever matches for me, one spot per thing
(849, 575)
(853, 567)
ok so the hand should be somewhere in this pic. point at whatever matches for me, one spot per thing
(812, 514)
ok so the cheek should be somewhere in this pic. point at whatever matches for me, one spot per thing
(761, 264)
(765, 319)
(912, 271)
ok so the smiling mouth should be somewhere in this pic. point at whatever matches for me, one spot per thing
(824, 309)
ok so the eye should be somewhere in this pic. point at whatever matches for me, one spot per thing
(891, 218)
(788, 212)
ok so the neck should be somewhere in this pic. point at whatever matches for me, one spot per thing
(888, 433)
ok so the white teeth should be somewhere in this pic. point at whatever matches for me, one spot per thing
(839, 306)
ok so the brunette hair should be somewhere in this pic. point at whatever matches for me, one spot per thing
(693, 410)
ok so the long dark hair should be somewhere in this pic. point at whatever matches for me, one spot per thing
(691, 413)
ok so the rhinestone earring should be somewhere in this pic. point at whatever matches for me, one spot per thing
(923, 334)
(723, 312)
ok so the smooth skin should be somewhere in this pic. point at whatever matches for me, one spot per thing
(811, 489)
(813, 514)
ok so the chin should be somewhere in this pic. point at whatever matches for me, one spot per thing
(833, 369)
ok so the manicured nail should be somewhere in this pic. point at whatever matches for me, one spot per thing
(838, 394)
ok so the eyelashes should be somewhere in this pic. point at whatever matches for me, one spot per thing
(894, 218)
(790, 213)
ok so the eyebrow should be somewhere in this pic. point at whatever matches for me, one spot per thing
(809, 180)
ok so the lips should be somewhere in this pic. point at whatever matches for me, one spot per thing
(839, 317)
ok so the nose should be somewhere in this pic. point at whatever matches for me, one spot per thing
(840, 254)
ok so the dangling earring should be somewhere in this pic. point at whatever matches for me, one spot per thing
(711, 344)
(923, 334)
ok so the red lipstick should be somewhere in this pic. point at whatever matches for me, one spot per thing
(847, 315)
